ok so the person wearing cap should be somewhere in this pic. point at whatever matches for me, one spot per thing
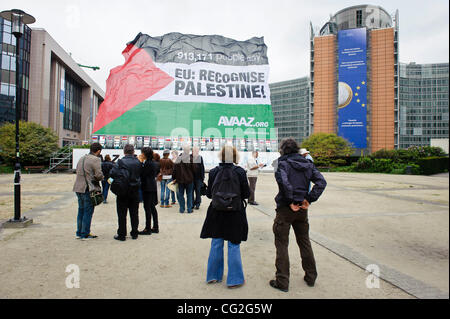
(305, 153)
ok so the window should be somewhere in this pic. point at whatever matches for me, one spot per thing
(358, 18)
(72, 105)
(6, 59)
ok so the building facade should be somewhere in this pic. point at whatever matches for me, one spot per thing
(9, 69)
(290, 106)
(424, 113)
(56, 92)
(354, 78)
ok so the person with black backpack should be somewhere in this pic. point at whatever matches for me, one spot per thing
(226, 217)
(293, 175)
(126, 181)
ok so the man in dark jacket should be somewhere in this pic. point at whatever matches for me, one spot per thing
(293, 176)
(183, 174)
(131, 200)
(199, 176)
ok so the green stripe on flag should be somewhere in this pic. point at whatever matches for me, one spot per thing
(160, 118)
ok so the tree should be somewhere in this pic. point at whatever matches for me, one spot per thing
(324, 147)
(37, 143)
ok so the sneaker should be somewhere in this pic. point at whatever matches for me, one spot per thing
(174, 203)
(134, 237)
(78, 237)
(274, 284)
(182, 212)
(90, 236)
(155, 230)
(253, 203)
(197, 207)
(117, 237)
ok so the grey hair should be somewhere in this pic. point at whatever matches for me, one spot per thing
(186, 148)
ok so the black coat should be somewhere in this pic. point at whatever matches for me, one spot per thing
(134, 167)
(199, 169)
(231, 226)
(148, 175)
(293, 175)
(106, 169)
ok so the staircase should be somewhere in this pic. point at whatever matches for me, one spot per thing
(60, 161)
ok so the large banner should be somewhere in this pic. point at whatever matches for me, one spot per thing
(352, 105)
(189, 85)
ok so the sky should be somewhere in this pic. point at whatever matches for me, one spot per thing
(95, 32)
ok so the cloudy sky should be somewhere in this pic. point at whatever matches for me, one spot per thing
(96, 31)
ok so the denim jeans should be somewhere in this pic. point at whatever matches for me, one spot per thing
(165, 191)
(105, 188)
(198, 183)
(85, 212)
(173, 197)
(216, 263)
(189, 188)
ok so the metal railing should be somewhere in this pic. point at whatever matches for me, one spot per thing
(60, 161)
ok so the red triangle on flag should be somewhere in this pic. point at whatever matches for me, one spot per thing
(130, 84)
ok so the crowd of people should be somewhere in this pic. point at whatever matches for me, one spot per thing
(230, 187)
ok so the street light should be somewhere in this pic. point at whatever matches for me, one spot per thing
(18, 20)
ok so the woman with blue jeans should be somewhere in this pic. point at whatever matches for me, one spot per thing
(166, 170)
(228, 226)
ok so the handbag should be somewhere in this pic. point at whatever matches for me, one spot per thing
(96, 196)
(203, 190)
(173, 186)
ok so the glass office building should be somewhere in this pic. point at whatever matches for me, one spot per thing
(423, 103)
(290, 107)
(8, 72)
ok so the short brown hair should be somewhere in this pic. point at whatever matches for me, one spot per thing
(289, 146)
(95, 147)
(107, 158)
(128, 149)
(227, 152)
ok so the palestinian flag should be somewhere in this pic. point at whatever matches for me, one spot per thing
(188, 85)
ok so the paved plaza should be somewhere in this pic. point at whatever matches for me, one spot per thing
(397, 224)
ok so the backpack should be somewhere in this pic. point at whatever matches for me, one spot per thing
(226, 191)
(121, 176)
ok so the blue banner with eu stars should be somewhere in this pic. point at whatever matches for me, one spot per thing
(352, 98)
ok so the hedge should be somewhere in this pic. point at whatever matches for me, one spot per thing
(433, 165)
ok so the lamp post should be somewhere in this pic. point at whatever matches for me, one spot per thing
(18, 20)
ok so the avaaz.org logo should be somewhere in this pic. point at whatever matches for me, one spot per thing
(236, 121)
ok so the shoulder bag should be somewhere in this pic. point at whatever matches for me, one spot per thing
(96, 196)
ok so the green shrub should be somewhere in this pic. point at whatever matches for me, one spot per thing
(37, 143)
(433, 165)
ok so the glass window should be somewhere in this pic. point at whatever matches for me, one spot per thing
(5, 76)
(5, 61)
(12, 90)
(4, 89)
(7, 37)
(13, 63)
